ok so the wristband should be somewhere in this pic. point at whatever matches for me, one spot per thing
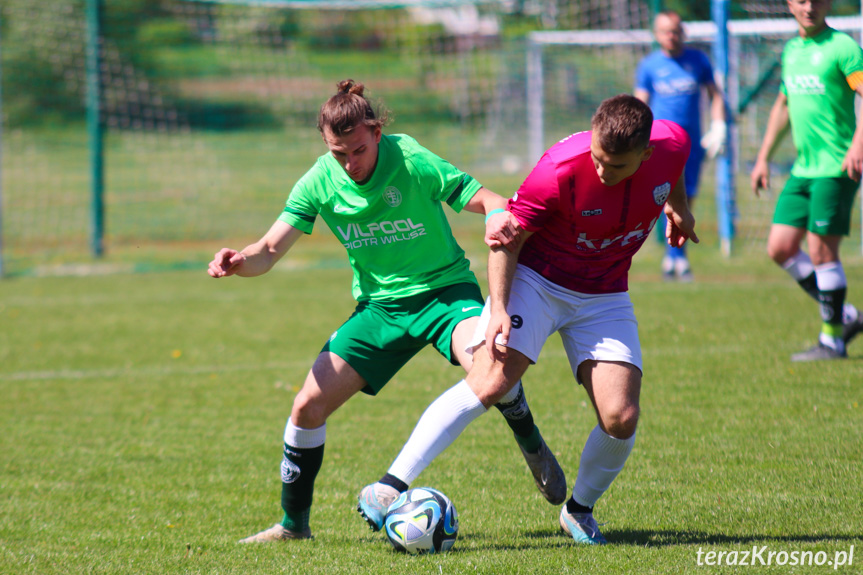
(493, 212)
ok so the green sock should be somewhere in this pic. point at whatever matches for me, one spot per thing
(300, 467)
(832, 304)
(298, 522)
(831, 335)
(810, 286)
(520, 419)
(532, 442)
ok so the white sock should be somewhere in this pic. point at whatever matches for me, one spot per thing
(849, 313)
(442, 422)
(601, 461)
(831, 341)
(799, 266)
(830, 276)
(511, 395)
(304, 438)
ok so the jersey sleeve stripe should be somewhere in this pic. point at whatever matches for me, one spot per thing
(300, 215)
(855, 79)
(453, 197)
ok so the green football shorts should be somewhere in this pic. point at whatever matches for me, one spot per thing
(381, 337)
(821, 205)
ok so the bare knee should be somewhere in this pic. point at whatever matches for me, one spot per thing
(489, 395)
(622, 422)
(784, 242)
(488, 387)
(781, 253)
(491, 380)
(614, 388)
(329, 384)
(823, 249)
(309, 410)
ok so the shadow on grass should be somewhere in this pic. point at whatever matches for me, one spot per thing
(479, 542)
(641, 538)
(665, 538)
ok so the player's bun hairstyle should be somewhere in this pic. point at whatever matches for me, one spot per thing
(348, 109)
(622, 124)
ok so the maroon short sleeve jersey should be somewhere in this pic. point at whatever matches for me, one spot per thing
(584, 232)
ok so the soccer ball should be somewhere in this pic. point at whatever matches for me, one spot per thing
(422, 520)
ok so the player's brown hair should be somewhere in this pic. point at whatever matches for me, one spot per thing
(622, 124)
(348, 108)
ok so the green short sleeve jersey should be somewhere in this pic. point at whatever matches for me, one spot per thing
(817, 77)
(393, 227)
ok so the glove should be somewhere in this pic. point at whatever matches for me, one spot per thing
(713, 141)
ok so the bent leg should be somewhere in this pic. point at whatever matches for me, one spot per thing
(614, 389)
(329, 384)
(491, 380)
(821, 274)
(445, 419)
(829, 209)
(513, 405)
(783, 242)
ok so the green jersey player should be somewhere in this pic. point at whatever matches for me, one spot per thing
(382, 196)
(822, 70)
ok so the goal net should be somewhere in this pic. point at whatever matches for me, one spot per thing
(208, 108)
(208, 114)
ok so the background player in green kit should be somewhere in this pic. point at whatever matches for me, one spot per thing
(822, 69)
(382, 197)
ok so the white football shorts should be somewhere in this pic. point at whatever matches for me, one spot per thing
(600, 327)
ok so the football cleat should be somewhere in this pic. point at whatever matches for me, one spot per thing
(547, 474)
(851, 329)
(819, 352)
(374, 500)
(581, 527)
(277, 532)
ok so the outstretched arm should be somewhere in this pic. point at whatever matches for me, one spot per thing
(777, 126)
(484, 201)
(681, 223)
(257, 258)
(501, 268)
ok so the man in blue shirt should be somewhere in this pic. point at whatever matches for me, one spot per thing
(671, 81)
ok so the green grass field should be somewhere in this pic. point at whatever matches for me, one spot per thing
(142, 415)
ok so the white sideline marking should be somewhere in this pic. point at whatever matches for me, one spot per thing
(80, 374)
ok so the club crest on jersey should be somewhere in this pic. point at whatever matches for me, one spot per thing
(660, 193)
(392, 196)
